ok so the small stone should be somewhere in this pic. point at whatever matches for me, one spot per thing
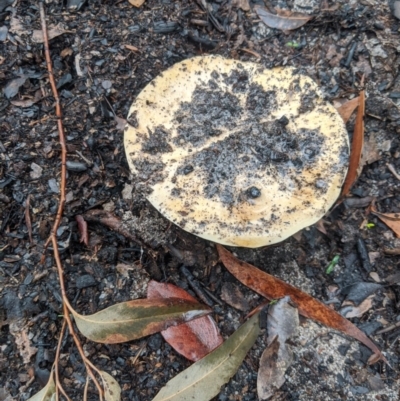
(3, 33)
(396, 9)
(36, 171)
(85, 281)
(53, 185)
(77, 167)
(106, 84)
(127, 192)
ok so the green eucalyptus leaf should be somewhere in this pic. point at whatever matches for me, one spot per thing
(138, 318)
(47, 393)
(203, 380)
(112, 390)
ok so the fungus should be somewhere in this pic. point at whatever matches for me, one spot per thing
(236, 153)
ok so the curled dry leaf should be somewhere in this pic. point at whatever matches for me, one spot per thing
(356, 147)
(271, 287)
(283, 22)
(138, 318)
(392, 220)
(112, 390)
(46, 393)
(347, 109)
(194, 339)
(83, 229)
(203, 380)
(53, 32)
(282, 323)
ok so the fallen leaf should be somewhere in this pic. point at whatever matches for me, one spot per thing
(271, 287)
(20, 332)
(53, 32)
(12, 88)
(137, 3)
(242, 4)
(132, 48)
(28, 220)
(283, 22)
(46, 393)
(110, 220)
(121, 123)
(112, 390)
(356, 147)
(392, 220)
(194, 339)
(270, 377)
(27, 102)
(347, 108)
(83, 229)
(138, 318)
(349, 310)
(203, 380)
(282, 323)
(373, 146)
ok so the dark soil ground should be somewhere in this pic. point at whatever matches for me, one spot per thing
(108, 53)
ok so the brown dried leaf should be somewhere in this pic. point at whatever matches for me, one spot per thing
(53, 32)
(350, 310)
(347, 109)
(271, 287)
(137, 3)
(194, 339)
(28, 220)
(282, 323)
(83, 230)
(392, 220)
(356, 147)
(286, 22)
(20, 333)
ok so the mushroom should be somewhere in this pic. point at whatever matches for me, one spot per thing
(236, 153)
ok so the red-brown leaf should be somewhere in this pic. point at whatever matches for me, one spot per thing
(392, 220)
(356, 147)
(194, 339)
(82, 227)
(271, 287)
(347, 109)
(283, 22)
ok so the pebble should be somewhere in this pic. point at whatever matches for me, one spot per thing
(77, 167)
(3, 33)
(85, 281)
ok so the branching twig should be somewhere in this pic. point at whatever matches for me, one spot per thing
(53, 236)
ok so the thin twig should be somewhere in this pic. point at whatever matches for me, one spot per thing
(60, 126)
(59, 386)
(53, 236)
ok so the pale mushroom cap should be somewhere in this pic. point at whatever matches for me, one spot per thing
(235, 153)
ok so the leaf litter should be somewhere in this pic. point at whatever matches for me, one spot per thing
(392, 220)
(194, 339)
(282, 324)
(356, 147)
(285, 22)
(138, 318)
(271, 287)
(203, 380)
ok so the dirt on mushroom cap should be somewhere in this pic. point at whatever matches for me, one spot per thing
(235, 153)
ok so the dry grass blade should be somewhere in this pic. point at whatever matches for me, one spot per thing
(203, 380)
(356, 147)
(282, 22)
(392, 220)
(135, 319)
(271, 287)
(347, 109)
